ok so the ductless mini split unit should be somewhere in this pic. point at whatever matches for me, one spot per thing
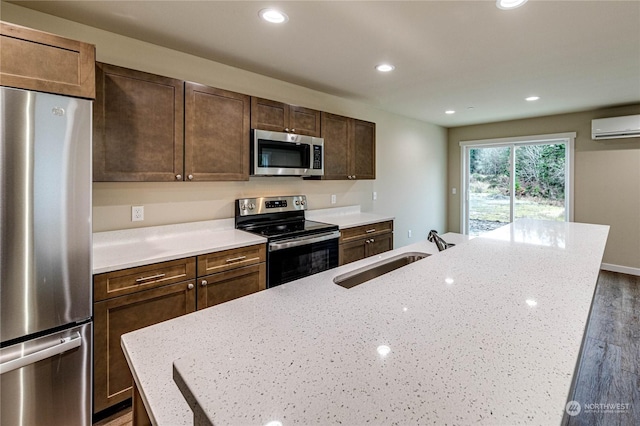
(616, 127)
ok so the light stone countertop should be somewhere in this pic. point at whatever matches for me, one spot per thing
(346, 217)
(128, 248)
(486, 332)
(114, 250)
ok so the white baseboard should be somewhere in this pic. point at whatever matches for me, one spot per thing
(619, 268)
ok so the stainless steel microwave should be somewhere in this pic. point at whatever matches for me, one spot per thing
(286, 154)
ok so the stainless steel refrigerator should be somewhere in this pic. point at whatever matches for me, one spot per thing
(45, 259)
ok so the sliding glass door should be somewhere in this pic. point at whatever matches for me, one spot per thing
(489, 188)
(508, 180)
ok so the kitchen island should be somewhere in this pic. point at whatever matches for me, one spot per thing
(486, 332)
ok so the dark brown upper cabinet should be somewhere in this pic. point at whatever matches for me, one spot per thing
(349, 148)
(35, 60)
(280, 117)
(137, 126)
(216, 134)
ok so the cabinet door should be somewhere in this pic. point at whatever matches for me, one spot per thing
(137, 126)
(269, 115)
(335, 131)
(304, 121)
(120, 315)
(379, 244)
(35, 60)
(216, 134)
(352, 251)
(364, 150)
(225, 286)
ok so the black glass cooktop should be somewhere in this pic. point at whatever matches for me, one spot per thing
(292, 229)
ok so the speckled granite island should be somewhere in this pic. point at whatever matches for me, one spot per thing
(487, 332)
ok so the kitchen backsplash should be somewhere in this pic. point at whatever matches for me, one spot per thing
(179, 202)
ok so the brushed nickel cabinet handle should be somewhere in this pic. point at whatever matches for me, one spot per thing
(149, 278)
(368, 231)
(236, 259)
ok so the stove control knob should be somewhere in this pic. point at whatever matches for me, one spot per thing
(252, 206)
(297, 203)
(302, 202)
(243, 206)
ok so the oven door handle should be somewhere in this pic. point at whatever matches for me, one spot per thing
(302, 241)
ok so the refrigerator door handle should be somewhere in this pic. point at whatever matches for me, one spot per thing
(65, 344)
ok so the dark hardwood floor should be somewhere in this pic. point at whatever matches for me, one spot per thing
(608, 384)
(609, 370)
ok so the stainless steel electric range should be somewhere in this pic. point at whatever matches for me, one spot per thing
(296, 247)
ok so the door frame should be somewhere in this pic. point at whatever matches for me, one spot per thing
(567, 138)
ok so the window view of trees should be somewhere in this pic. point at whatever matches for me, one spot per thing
(539, 185)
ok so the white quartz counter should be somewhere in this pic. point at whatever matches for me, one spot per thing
(346, 217)
(114, 250)
(486, 332)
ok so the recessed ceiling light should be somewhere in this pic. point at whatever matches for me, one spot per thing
(449, 111)
(385, 67)
(274, 16)
(532, 98)
(509, 4)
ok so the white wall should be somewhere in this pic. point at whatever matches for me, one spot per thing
(411, 155)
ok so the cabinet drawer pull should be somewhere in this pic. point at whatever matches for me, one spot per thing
(139, 280)
(204, 283)
(190, 286)
(236, 259)
(178, 177)
(368, 231)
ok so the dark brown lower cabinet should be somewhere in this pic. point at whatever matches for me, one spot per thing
(359, 249)
(120, 315)
(363, 241)
(229, 285)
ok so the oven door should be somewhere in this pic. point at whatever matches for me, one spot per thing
(299, 257)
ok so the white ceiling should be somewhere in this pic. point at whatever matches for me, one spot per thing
(575, 55)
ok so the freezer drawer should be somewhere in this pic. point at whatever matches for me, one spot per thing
(40, 385)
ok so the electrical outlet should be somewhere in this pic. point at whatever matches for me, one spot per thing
(454, 191)
(333, 198)
(137, 213)
(374, 195)
(409, 233)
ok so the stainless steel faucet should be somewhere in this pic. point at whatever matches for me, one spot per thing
(438, 241)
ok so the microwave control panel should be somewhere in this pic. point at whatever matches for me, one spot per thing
(317, 157)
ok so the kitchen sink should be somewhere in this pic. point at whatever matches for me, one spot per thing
(369, 272)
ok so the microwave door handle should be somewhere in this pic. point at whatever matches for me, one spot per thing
(296, 242)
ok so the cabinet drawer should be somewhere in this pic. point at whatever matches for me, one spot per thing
(127, 281)
(230, 259)
(229, 285)
(356, 232)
